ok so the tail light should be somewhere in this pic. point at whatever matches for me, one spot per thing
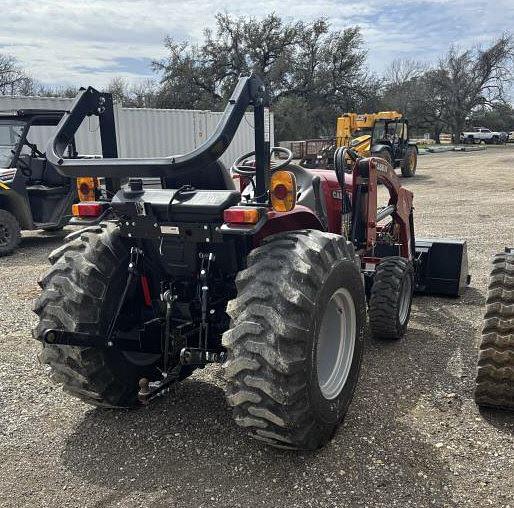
(88, 209)
(283, 191)
(86, 188)
(241, 215)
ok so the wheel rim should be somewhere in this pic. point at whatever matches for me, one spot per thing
(405, 298)
(5, 235)
(412, 162)
(336, 344)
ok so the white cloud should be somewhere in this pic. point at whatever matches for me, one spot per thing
(65, 41)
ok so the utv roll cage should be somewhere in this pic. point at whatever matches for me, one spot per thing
(249, 91)
(30, 118)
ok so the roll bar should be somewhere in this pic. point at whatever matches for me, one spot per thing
(249, 90)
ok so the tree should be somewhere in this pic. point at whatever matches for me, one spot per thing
(311, 72)
(467, 79)
(140, 94)
(13, 79)
(118, 88)
(499, 117)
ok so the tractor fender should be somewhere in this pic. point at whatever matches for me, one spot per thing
(413, 145)
(15, 203)
(300, 217)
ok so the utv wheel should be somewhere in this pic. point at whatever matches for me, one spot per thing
(10, 233)
(391, 298)
(409, 162)
(495, 373)
(296, 339)
(80, 293)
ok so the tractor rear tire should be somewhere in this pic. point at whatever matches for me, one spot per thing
(10, 233)
(409, 162)
(495, 373)
(391, 298)
(80, 293)
(296, 339)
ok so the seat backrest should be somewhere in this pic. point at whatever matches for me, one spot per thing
(36, 166)
(52, 177)
(213, 177)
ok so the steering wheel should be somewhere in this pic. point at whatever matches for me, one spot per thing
(245, 166)
(34, 149)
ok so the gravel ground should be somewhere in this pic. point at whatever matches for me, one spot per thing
(413, 436)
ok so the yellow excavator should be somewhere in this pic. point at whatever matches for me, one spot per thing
(384, 134)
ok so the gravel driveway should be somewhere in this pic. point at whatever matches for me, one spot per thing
(413, 436)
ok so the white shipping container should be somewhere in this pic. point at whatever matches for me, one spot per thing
(143, 132)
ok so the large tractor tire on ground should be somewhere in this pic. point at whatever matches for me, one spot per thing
(495, 373)
(391, 298)
(80, 293)
(409, 162)
(296, 339)
(10, 233)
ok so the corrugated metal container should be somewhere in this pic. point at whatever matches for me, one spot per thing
(144, 132)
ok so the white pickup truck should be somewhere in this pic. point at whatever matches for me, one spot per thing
(479, 134)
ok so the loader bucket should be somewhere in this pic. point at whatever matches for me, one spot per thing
(442, 266)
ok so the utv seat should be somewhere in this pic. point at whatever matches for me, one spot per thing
(45, 180)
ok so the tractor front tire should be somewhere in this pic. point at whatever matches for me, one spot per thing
(409, 162)
(80, 293)
(296, 339)
(495, 373)
(385, 154)
(10, 233)
(391, 298)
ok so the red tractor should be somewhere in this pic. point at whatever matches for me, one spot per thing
(272, 280)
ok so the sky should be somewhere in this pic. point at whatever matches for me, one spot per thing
(72, 42)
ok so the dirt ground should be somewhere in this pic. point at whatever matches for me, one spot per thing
(413, 435)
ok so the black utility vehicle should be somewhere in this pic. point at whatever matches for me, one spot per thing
(33, 194)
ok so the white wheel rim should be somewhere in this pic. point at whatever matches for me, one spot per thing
(336, 344)
(405, 298)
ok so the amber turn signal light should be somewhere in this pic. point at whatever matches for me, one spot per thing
(283, 191)
(86, 188)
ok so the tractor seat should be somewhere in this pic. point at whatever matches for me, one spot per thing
(213, 177)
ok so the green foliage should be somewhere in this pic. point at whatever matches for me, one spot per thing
(462, 83)
(312, 72)
(499, 117)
